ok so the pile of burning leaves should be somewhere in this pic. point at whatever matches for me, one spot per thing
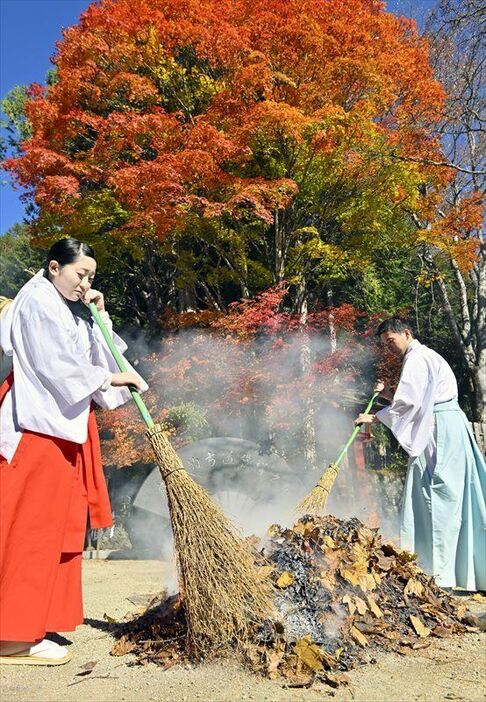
(341, 595)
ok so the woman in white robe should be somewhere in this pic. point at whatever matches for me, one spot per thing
(50, 462)
(443, 513)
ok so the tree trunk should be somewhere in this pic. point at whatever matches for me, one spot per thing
(186, 300)
(309, 422)
(153, 290)
(469, 333)
(478, 378)
(245, 293)
(332, 326)
(279, 247)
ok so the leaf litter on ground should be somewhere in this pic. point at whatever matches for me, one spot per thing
(341, 594)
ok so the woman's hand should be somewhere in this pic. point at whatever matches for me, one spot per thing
(365, 419)
(385, 390)
(96, 297)
(126, 379)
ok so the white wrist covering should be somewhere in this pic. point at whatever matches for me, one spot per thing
(107, 383)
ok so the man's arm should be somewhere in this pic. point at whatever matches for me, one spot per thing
(410, 414)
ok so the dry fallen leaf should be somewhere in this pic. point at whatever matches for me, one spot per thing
(334, 679)
(87, 668)
(414, 587)
(308, 653)
(406, 557)
(361, 605)
(315, 657)
(359, 637)
(110, 620)
(304, 528)
(333, 559)
(352, 574)
(348, 600)
(328, 580)
(285, 580)
(367, 582)
(122, 647)
(461, 610)
(273, 530)
(419, 627)
(384, 562)
(478, 597)
(441, 631)
(391, 635)
(329, 542)
(274, 658)
(373, 606)
(356, 572)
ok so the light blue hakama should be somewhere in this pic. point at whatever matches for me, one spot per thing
(443, 513)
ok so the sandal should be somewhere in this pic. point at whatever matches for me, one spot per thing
(44, 653)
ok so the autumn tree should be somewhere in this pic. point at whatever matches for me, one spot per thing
(215, 150)
(255, 141)
(452, 250)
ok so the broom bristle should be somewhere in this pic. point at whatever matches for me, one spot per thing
(315, 502)
(5, 302)
(223, 592)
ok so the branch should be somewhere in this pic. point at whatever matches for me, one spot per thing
(440, 164)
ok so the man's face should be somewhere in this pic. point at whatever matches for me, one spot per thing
(396, 342)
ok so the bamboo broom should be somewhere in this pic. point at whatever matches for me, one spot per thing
(223, 593)
(315, 502)
(5, 302)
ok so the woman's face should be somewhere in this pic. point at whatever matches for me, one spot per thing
(73, 279)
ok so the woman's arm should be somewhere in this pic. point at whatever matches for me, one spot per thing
(49, 349)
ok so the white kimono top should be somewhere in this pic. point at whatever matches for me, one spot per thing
(426, 379)
(61, 364)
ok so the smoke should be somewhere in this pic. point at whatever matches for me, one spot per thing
(256, 397)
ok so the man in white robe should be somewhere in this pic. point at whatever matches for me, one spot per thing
(443, 513)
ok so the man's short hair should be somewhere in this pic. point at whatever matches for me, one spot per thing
(394, 324)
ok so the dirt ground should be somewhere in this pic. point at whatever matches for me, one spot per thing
(449, 669)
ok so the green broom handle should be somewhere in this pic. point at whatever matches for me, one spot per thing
(356, 430)
(120, 362)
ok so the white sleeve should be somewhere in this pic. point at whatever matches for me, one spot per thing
(109, 397)
(119, 343)
(410, 415)
(56, 357)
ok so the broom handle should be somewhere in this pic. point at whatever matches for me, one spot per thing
(355, 432)
(120, 362)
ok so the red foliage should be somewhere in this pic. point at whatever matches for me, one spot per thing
(161, 104)
(260, 314)
(246, 364)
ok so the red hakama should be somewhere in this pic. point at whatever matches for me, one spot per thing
(45, 495)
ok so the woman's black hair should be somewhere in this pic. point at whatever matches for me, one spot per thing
(395, 324)
(66, 251)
